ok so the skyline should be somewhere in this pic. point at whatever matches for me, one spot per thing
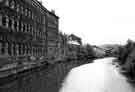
(96, 22)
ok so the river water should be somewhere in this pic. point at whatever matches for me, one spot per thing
(45, 79)
(100, 76)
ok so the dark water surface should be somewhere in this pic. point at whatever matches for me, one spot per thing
(45, 79)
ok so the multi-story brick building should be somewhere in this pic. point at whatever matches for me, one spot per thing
(22, 28)
(63, 45)
(52, 34)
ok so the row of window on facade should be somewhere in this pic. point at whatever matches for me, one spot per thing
(16, 49)
(19, 26)
(24, 11)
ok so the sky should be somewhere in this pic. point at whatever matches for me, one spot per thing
(97, 22)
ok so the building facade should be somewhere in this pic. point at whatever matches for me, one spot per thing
(52, 34)
(22, 28)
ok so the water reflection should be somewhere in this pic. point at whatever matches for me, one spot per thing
(45, 79)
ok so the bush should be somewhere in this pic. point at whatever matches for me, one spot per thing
(126, 59)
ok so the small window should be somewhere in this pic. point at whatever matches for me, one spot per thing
(15, 25)
(12, 4)
(28, 28)
(26, 12)
(20, 26)
(32, 16)
(4, 21)
(3, 48)
(17, 8)
(0, 20)
(29, 13)
(10, 23)
(22, 9)
(17, 28)
(7, 3)
(24, 27)
(9, 49)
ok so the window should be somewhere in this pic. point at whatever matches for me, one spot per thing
(20, 51)
(6, 48)
(29, 13)
(17, 49)
(26, 12)
(7, 3)
(9, 49)
(14, 49)
(28, 28)
(10, 23)
(20, 26)
(1, 1)
(12, 4)
(3, 48)
(22, 9)
(32, 16)
(24, 27)
(0, 20)
(17, 28)
(4, 21)
(15, 25)
(0, 46)
(17, 8)
(7, 21)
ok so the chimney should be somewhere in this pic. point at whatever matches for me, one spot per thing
(53, 11)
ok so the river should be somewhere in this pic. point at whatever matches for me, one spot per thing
(44, 79)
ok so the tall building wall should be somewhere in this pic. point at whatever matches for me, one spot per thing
(52, 34)
(22, 28)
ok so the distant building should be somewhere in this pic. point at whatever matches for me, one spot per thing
(74, 44)
(99, 52)
(74, 39)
